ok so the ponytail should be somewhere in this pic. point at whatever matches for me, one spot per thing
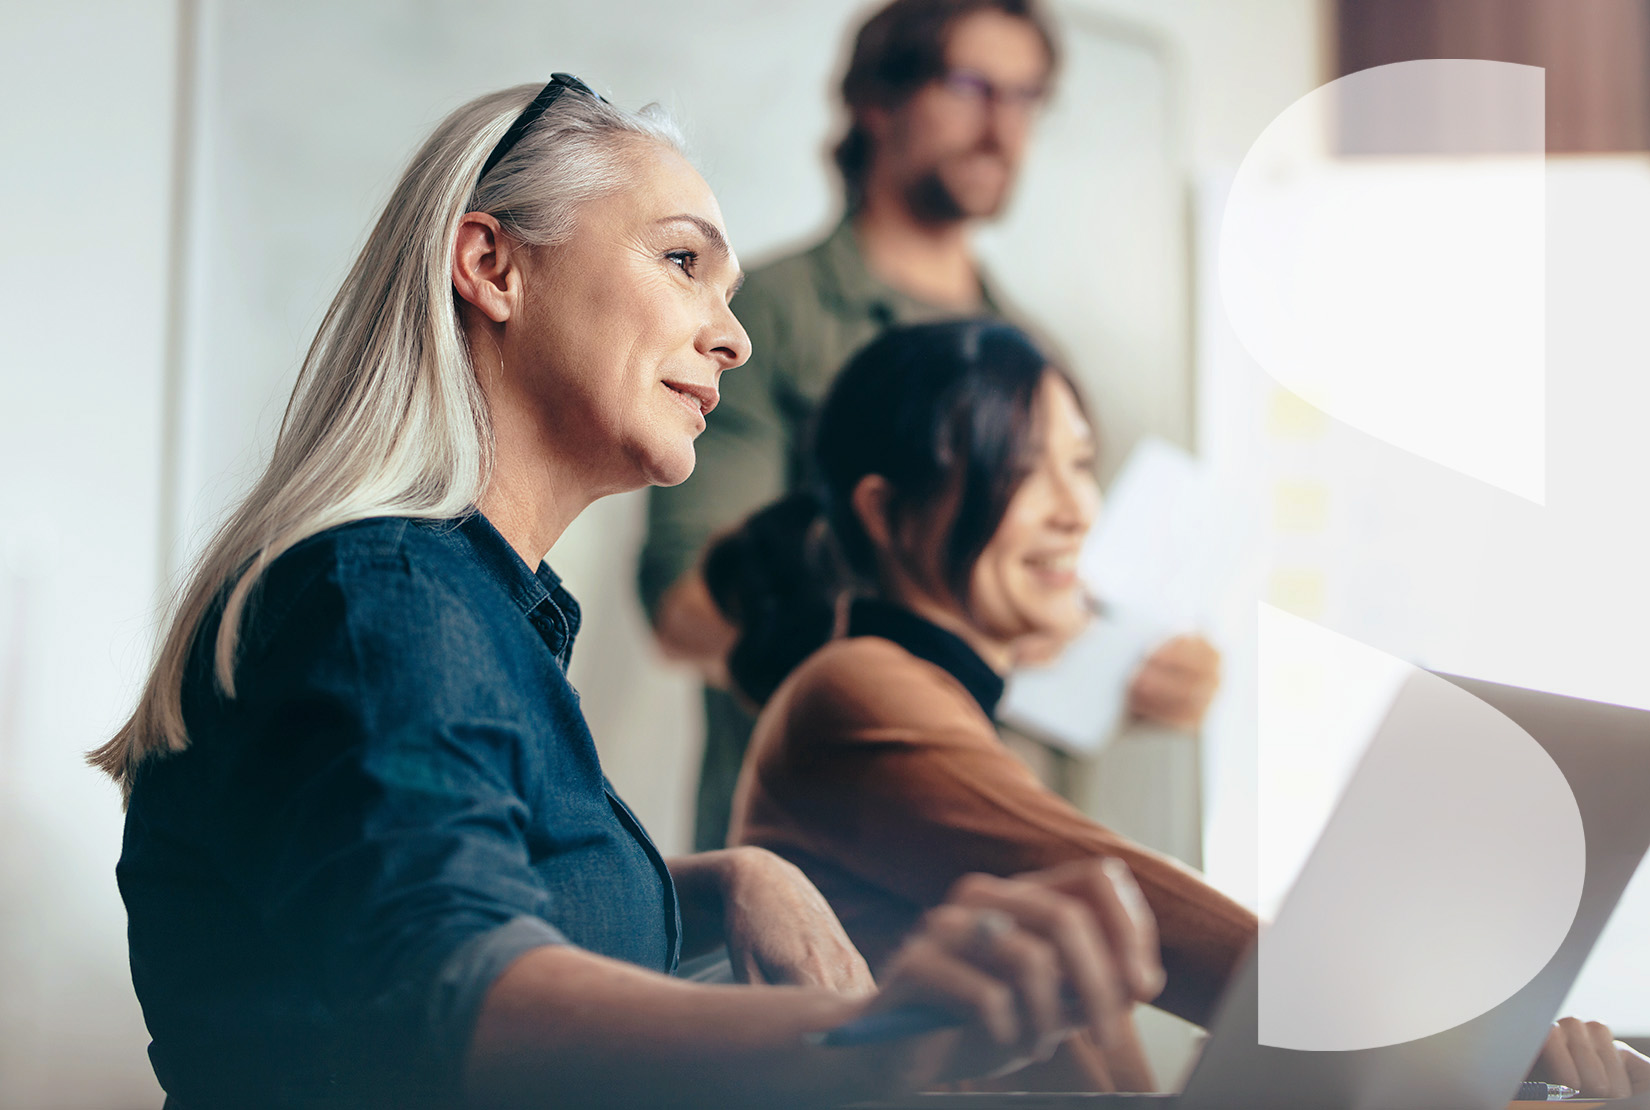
(778, 578)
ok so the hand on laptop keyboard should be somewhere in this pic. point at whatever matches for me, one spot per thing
(1586, 1056)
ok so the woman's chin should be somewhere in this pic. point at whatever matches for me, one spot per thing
(1064, 618)
(671, 468)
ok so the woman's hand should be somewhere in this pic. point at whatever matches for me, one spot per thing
(1023, 962)
(780, 929)
(1585, 1055)
(1176, 683)
(777, 926)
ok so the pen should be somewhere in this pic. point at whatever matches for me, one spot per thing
(1533, 1090)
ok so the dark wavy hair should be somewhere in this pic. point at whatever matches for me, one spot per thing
(899, 50)
(946, 414)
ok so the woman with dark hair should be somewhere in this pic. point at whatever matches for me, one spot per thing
(954, 483)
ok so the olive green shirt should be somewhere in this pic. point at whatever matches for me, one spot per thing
(806, 315)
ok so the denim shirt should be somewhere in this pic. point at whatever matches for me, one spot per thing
(401, 798)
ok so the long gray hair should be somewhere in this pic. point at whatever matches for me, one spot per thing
(387, 418)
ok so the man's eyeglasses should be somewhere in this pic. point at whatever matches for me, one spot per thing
(559, 83)
(976, 88)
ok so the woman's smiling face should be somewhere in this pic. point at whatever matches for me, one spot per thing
(1023, 587)
(628, 327)
(1025, 582)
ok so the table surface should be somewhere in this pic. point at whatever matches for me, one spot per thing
(1040, 1100)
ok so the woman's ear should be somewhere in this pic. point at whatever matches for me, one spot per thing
(486, 266)
(872, 498)
(907, 550)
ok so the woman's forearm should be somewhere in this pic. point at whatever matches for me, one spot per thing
(565, 1027)
(701, 880)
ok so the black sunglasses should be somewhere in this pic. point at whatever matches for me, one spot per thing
(559, 83)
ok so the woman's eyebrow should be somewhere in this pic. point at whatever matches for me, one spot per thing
(713, 234)
(717, 242)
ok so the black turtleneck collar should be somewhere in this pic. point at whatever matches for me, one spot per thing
(926, 640)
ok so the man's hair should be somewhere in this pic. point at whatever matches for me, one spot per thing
(899, 50)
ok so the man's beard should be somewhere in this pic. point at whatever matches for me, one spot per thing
(931, 201)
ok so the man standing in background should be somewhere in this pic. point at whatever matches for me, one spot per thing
(941, 96)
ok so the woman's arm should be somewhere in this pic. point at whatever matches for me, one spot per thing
(565, 1027)
(778, 927)
(936, 795)
(935, 814)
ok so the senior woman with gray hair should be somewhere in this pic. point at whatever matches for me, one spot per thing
(370, 854)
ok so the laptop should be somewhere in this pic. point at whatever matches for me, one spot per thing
(1458, 770)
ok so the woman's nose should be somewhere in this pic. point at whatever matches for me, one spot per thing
(1076, 504)
(724, 339)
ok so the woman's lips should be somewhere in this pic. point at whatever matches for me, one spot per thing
(1055, 579)
(1058, 571)
(700, 398)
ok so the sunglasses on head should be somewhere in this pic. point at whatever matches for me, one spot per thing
(559, 83)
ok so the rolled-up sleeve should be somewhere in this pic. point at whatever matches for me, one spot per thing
(378, 825)
(466, 975)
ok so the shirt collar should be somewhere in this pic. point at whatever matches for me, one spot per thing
(845, 279)
(539, 594)
(928, 641)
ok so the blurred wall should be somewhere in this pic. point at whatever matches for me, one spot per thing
(302, 115)
(86, 191)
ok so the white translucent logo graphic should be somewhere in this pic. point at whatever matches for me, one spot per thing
(1382, 256)
(1449, 872)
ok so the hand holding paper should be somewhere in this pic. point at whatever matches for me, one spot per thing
(1176, 682)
